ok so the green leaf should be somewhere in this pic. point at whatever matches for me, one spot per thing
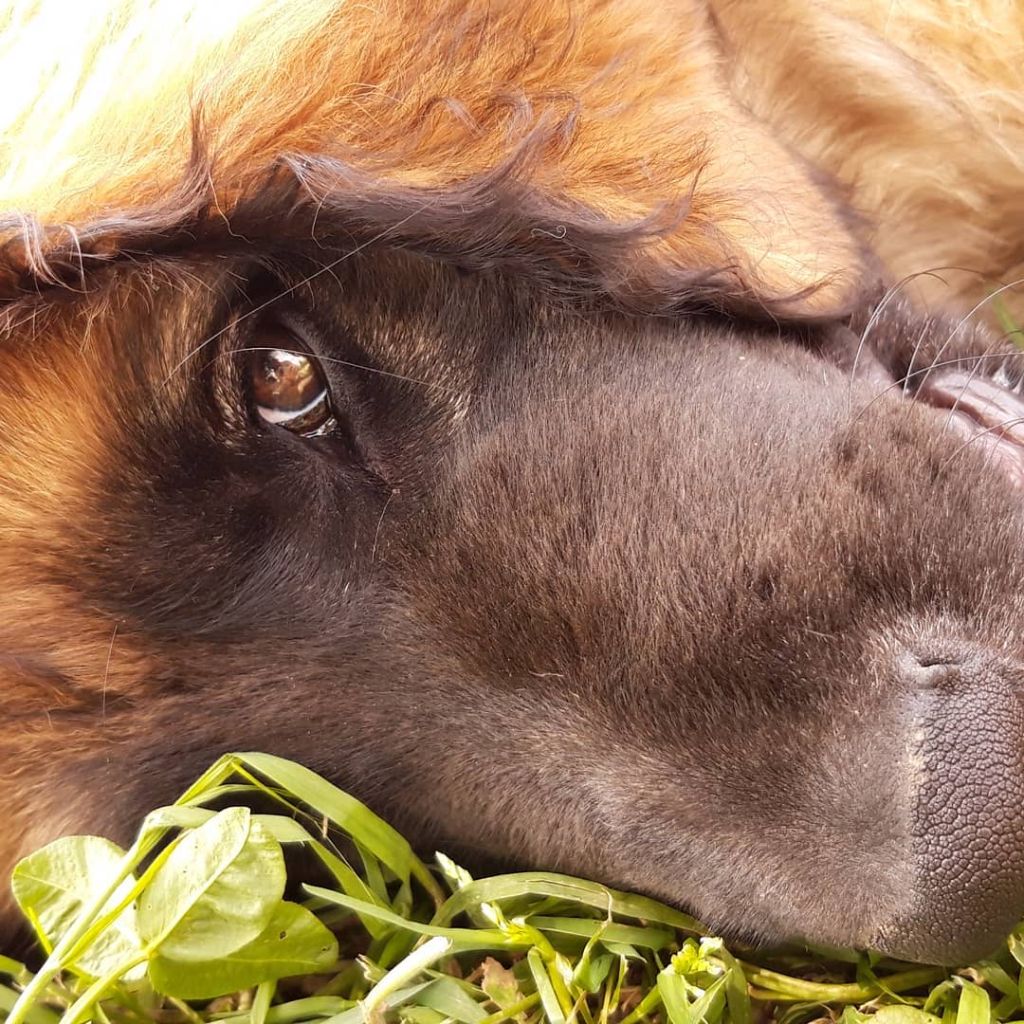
(261, 1001)
(988, 972)
(293, 942)
(466, 938)
(284, 830)
(974, 1006)
(623, 934)
(420, 1015)
(736, 995)
(903, 1015)
(392, 986)
(446, 996)
(575, 890)
(53, 885)
(675, 991)
(215, 892)
(545, 989)
(593, 955)
(345, 811)
(592, 971)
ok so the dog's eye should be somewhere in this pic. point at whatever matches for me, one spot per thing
(289, 390)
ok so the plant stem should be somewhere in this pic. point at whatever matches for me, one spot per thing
(514, 1010)
(781, 988)
(87, 1000)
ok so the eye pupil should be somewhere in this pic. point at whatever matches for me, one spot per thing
(289, 390)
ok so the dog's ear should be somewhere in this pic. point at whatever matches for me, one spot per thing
(611, 116)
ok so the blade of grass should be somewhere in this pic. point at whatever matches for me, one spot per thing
(464, 938)
(543, 883)
(413, 965)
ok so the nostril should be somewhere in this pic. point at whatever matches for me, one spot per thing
(927, 668)
(934, 660)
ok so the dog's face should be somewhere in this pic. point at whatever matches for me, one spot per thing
(680, 604)
(722, 611)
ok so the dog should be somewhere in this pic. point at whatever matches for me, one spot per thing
(576, 429)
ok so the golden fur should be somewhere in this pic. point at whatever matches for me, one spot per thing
(108, 125)
(916, 107)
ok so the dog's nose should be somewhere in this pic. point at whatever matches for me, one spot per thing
(965, 801)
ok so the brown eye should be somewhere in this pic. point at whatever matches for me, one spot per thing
(289, 390)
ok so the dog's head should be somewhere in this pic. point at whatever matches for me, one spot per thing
(487, 413)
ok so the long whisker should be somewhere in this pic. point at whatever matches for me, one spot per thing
(326, 268)
(913, 356)
(877, 312)
(902, 384)
(963, 391)
(1002, 426)
(967, 316)
(342, 362)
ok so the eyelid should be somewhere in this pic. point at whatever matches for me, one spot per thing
(297, 324)
(274, 416)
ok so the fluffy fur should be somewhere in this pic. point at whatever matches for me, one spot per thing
(635, 121)
(917, 106)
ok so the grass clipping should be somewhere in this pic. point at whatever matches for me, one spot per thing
(191, 925)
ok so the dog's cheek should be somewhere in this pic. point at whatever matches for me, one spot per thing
(68, 673)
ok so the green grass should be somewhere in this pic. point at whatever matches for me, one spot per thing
(1012, 331)
(191, 925)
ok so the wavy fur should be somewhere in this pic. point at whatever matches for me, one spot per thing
(629, 100)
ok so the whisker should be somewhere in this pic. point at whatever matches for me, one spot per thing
(326, 268)
(894, 386)
(967, 316)
(1002, 426)
(106, 673)
(959, 360)
(903, 385)
(380, 523)
(891, 293)
(343, 362)
(913, 356)
(963, 391)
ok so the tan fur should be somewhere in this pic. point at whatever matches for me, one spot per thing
(106, 126)
(44, 497)
(58, 658)
(916, 105)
